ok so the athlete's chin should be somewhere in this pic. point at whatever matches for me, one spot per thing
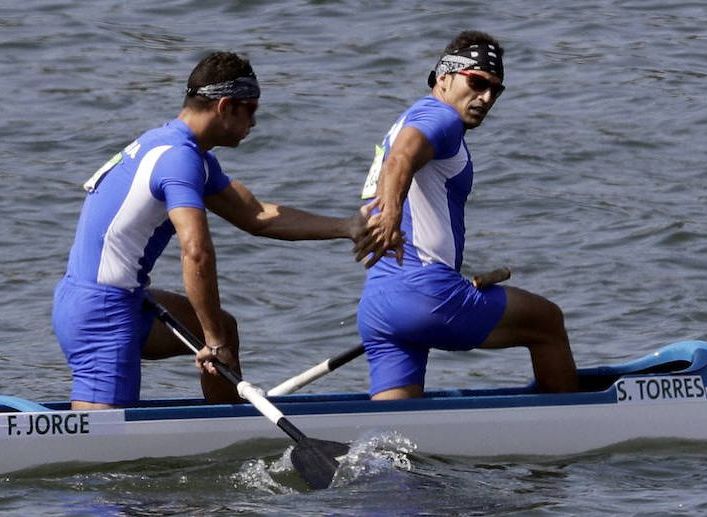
(234, 143)
(239, 139)
(472, 122)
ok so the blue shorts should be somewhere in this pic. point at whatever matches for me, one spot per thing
(101, 330)
(402, 316)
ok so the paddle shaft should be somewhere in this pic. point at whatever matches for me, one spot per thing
(245, 389)
(314, 373)
(491, 277)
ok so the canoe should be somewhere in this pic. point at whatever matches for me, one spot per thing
(659, 396)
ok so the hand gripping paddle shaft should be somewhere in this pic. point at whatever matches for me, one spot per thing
(315, 460)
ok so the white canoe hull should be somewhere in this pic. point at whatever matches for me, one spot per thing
(478, 423)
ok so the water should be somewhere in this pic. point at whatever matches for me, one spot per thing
(590, 186)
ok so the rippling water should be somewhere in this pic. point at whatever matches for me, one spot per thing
(590, 186)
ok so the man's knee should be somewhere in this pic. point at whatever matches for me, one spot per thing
(404, 392)
(555, 317)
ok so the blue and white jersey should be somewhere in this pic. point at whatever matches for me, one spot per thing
(124, 226)
(433, 212)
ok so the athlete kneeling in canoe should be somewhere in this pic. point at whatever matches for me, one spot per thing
(417, 299)
(158, 185)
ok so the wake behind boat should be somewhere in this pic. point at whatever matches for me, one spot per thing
(661, 395)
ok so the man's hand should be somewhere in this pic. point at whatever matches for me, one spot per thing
(380, 237)
(358, 224)
(207, 353)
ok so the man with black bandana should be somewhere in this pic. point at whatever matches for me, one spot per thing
(159, 185)
(415, 298)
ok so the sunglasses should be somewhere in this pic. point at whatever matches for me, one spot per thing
(480, 84)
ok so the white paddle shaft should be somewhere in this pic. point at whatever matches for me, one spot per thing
(300, 380)
(254, 395)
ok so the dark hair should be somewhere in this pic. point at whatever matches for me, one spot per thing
(217, 67)
(466, 38)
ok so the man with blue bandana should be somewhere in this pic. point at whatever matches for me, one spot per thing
(159, 185)
(415, 298)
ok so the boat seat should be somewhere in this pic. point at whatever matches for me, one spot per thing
(18, 404)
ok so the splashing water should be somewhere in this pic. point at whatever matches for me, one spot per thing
(257, 474)
(369, 456)
(373, 455)
(284, 463)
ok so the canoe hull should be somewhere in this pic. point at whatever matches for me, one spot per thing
(637, 403)
(550, 430)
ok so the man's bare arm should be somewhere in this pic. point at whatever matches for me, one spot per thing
(199, 270)
(237, 205)
(410, 152)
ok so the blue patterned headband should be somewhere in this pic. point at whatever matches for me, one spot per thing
(239, 88)
(480, 56)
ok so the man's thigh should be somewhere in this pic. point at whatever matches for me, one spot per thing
(529, 318)
(458, 318)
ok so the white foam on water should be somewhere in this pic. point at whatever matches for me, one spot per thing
(257, 474)
(373, 455)
(370, 456)
(283, 464)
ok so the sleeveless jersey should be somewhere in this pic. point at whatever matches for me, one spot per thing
(124, 226)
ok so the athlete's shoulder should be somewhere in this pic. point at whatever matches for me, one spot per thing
(439, 122)
(175, 156)
(173, 134)
(431, 108)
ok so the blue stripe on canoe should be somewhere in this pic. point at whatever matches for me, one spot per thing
(345, 403)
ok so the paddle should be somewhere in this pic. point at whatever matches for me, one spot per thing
(315, 460)
(496, 276)
(315, 372)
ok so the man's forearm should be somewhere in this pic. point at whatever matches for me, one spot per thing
(201, 286)
(285, 223)
(393, 188)
(237, 205)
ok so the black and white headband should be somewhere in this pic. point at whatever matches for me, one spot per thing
(480, 56)
(239, 88)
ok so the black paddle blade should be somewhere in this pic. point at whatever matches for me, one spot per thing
(316, 462)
